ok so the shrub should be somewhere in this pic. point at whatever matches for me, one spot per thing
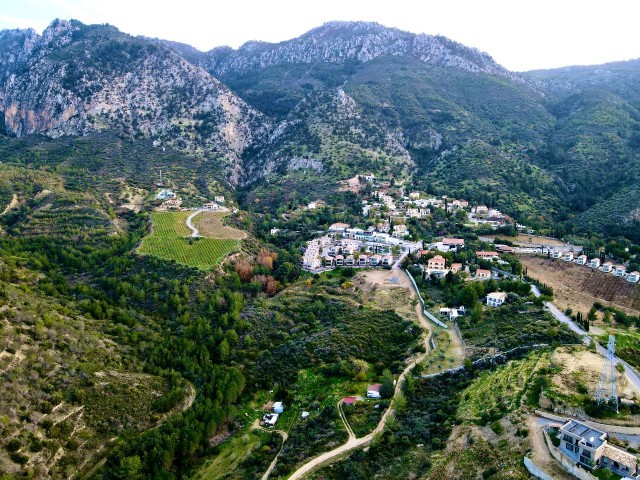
(497, 427)
(13, 445)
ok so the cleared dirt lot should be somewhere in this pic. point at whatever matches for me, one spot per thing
(584, 367)
(577, 287)
(210, 225)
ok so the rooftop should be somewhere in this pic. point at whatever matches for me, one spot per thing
(592, 437)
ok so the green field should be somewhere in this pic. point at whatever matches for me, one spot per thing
(170, 240)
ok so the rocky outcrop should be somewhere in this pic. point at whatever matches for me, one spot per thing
(75, 79)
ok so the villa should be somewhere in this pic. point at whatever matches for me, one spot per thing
(495, 299)
(589, 447)
(436, 263)
(488, 255)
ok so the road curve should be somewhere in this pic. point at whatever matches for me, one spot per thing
(194, 231)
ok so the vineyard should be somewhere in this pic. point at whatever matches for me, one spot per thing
(170, 240)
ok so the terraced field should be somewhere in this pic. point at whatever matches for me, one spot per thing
(577, 287)
(170, 239)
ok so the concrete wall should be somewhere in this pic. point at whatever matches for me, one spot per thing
(424, 310)
(567, 463)
(535, 470)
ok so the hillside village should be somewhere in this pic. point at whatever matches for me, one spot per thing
(388, 234)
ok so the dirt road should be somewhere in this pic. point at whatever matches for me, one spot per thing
(396, 277)
(194, 230)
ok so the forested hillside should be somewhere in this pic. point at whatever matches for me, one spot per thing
(547, 147)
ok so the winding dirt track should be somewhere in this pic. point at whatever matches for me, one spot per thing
(354, 442)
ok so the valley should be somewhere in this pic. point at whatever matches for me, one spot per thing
(360, 253)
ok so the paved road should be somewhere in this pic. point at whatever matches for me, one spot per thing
(194, 230)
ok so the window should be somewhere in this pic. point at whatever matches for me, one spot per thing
(586, 453)
(569, 447)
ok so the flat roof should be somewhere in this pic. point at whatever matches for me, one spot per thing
(590, 435)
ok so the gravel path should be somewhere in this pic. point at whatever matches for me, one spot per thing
(194, 230)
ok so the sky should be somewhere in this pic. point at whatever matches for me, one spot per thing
(519, 34)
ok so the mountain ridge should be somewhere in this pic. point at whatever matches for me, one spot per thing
(342, 98)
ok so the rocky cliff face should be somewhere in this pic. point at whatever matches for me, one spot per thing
(338, 42)
(75, 79)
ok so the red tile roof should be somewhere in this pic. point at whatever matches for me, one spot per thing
(349, 400)
(374, 388)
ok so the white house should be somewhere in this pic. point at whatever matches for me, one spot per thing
(594, 263)
(568, 257)
(211, 206)
(270, 419)
(399, 231)
(556, 254)
(620, 270)
(373, 391)
(607, 267)
(588, 446)
(581, 260)
(633, 277)
(495, 299)
(338, 227)
(165, 194)
(219, 199)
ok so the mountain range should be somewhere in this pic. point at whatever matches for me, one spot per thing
(556, 146)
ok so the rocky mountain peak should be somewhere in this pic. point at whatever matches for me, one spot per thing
(338, 41)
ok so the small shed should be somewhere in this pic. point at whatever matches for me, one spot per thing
(349, 400)
(278, 407)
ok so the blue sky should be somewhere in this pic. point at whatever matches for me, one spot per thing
(519, 34)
